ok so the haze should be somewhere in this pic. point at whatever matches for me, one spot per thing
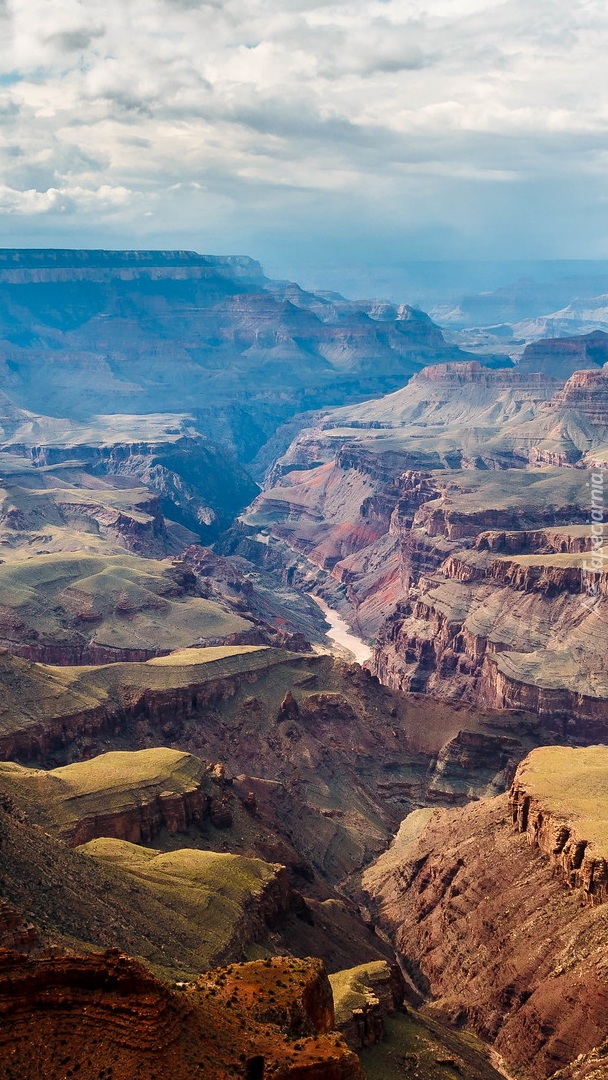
(309, 135)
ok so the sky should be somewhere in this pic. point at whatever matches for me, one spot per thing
(307, 134)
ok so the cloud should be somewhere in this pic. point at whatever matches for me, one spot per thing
(419, 113)
(61, 200)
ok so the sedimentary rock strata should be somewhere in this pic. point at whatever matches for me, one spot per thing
(74, 608)
(558, 800)
(135, 327)
(130, 796)
(108, 1015)
(341, 797)
(491, 918)
(363, 996)
(390, 525)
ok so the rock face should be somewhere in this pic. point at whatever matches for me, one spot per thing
(368, 510)
(342, 798)
(569, 826)
(229, 885)
(108, 1014)
(500, 925)
(85, 331)
(279, 609)
(563, 356)
(193, 481)
(506, 621)
(363, 996)
(130, 796)
(72, 608)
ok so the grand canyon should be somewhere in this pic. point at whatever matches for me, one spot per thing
(304, 672)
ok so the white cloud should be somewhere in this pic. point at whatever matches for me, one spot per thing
(108, 108)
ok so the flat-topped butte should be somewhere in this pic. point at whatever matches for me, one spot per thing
(111, 783)
(570, 784)
(34, 693)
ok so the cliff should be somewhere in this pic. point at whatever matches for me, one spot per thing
(130, 796)
(342, 798)
(492, 921)
(557, 801)
(363, 997)
(104, 332)
(211, 894)
(507, 630)
(194, 482)
(108, 1014)
(563, 356)
(375, 495)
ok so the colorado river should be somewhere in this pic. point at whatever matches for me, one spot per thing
(340, 633)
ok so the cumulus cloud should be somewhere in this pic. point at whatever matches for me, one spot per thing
(414, 111)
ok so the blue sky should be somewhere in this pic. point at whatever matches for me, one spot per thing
(307, 134)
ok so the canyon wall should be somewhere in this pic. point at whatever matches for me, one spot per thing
(449, 523)
(499, 924)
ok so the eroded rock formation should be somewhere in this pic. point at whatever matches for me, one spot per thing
(492, 920)
(106, 1014)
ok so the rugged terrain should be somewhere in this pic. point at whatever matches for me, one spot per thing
(276, 720)
(499, 910)
(107, 1016)
(186, 778)
(84, 330)
(77, 608)
(450, 524)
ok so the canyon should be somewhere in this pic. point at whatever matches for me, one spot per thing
(217, 491)
(448, 523)
(499, 910)
(69, 1014)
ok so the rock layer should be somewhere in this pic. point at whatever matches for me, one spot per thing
(107, 1014)
(494, 927)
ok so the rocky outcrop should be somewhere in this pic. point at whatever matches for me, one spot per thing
(130, 796)
(108, 1013)
(564, 356)
(576, 845)
(491, 920)
(320, 801)
(507, 618)
(106, 332)
(363, 996)
(15, 931)
(76, 608)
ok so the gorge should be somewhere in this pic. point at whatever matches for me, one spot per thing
(218, 491)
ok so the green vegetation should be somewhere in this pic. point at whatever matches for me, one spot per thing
(416, 1045)
(207, 892)
(62, 508)
(120, 601)
(36, 692)
(354, 987)
(571, 783)
(108, 784)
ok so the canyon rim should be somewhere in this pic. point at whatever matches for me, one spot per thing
(303, 548)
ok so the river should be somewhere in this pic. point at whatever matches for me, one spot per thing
(340, 633)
